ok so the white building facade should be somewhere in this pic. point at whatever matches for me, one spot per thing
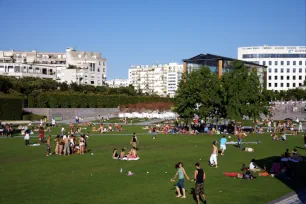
(286, 64)
(70, 66)
(116, 83)
(154, 79)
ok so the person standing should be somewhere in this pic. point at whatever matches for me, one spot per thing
(41, 134)
(199, 177)
(134, 140)
(66, 146)
(62, 130)
(53, 123)
(269, 126)
(223, 145)
(240, 136)
(300, 127)
(27, 137)
(181, 173)
(213, 156)
(48, 146)
(57, 141)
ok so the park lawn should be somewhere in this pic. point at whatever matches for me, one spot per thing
(28, 176)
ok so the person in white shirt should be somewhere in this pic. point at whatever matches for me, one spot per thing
(284, 137)
(53, 122)
(297, 120)
(269, 126)
(41, 122)
(27, 137)
(63, 130)
(300, 127)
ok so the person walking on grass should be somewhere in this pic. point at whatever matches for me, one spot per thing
(223, 145)
(57, 142)
(214, 154)
(199, 177)
(181, 173)
(134, 140)
(48, 146)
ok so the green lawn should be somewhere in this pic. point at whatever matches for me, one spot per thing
(28, 176)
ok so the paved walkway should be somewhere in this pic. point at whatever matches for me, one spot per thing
(292, 198)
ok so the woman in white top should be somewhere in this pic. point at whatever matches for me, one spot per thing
(27, 137)
(82, 144)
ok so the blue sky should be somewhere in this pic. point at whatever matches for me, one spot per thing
(131, 32)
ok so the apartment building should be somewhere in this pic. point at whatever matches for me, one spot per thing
(155, 79)
(286, 64)
(116, 83)
(69, 66)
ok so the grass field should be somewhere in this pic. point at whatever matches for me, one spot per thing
(28, 176)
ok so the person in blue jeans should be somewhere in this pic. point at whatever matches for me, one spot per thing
(181, 173)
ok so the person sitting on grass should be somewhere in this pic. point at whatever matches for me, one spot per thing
(274, 136)
(122, 154)
(284, 137)
(115, 154)
(132, 154)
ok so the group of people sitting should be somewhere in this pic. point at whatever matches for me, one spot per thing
(283, 136)
(6, 130)
(109, 128)
(131, 155)
(294, 156)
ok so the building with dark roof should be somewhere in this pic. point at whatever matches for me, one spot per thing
(220, 64)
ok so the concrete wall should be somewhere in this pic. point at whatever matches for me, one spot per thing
(70, 113)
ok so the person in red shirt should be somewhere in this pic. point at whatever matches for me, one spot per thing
(41, 134)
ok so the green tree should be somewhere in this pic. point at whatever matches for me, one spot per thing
(198, 95)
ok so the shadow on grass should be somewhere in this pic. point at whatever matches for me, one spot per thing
(294, 177)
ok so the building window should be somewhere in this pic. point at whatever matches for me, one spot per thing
(270, 62)
(293, 77)
(92, 82)
(275, 84)
(288, 85)
(282, 62)
(300, 62)
(282, 70)
(288, 77)
(275, 70)
(300, 70)
(282, 77)
(275, 63)
(103, 63)
(293, 85)
(282, 85)
(300, 77)
(269, 84)
(288, 70)
(288, 62)
(270, 77)
(294, 70)
(264, 63)
(300, 84)
(294, 62)
(275, 77)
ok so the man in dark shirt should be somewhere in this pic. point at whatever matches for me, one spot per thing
(199, 177)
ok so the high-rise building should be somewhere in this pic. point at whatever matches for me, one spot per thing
(156, 79)
(70, 66)
(286, 64)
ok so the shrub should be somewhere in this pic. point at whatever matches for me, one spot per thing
(10, 107)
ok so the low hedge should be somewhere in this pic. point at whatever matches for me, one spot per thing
(11, 107)
(82, 100)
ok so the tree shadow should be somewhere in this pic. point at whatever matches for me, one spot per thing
(302, 148)
(294, 177)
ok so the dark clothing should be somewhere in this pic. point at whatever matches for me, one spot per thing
(134, 139)
(199, 178)
(305, 139)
